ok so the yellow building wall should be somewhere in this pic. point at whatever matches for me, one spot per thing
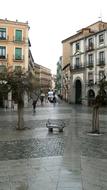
(10, 44)
(66, 53)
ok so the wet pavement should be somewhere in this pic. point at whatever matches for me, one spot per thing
(34, 159)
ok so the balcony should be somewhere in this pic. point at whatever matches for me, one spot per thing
(18, 40)
(90, 65)
(90, 47)
(18, 58)
(4, 38)
(101, 63)
(77, 67)
(3, 57)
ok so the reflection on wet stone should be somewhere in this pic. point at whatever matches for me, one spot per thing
(92, 147)
(52, 145)
(31, 148)
(35, 159)
(31, 124)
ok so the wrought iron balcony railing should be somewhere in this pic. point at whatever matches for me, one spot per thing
(90, 65)
(77, 67)
(101, 63)
(4, 38)
(3, 57)
(90, 47)
(19, 40)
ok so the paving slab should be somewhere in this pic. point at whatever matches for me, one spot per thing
(33, 159)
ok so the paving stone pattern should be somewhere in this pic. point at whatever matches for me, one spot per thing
(31, 148)
(31, 124)
(34, 159)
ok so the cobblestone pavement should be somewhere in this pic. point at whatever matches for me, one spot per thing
(34, 159)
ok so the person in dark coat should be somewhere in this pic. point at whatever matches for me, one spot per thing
(34, 105)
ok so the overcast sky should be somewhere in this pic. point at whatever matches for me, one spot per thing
(51, 21)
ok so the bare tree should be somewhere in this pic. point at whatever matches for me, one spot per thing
(98, 102)
(18, 82)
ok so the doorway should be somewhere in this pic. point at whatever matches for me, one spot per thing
(78, 92)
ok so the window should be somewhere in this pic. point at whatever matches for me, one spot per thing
(77, 65)
(101, 57)
(101, 38)
(2, 68)
(3, 33)
(2, 52)
(18, 53)
(90, 78)
(17, 68)
(90, 59)
(18, 35)
(90, 42)
(77, 46)
(101, 75)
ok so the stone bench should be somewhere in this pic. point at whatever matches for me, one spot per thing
(51, 124)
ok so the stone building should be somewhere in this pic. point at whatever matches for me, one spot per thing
(59, 77)
(53, 82)
(84, 63)
(44, 77)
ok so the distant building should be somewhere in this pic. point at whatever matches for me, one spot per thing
(53, 82)
(84, 63)
(31, 63)
(43, 76)
(59, 77)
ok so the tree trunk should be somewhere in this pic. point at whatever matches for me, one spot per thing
(20, 124)
(95, 120)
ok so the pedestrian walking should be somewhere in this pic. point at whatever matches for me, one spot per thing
(42, 96)
(54, 99)
(12, 105)
(34, 105)
(35, 98)
(6, 105)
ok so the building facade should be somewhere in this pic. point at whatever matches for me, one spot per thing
(85, 56)
(59, 77)
(53, 82)
(14, 47)
(44, 77)
(14, 44)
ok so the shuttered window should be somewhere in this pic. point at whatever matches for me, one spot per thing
(18, 35)
(18, 53)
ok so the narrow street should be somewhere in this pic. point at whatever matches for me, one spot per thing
(34, 159)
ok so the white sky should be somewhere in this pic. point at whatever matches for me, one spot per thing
(51, 21)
